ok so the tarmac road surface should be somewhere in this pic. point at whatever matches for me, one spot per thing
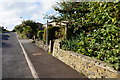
(14, 64)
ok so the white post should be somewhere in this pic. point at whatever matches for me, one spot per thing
(50, 46)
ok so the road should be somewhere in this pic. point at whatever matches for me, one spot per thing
(0, 55)
(14, 64)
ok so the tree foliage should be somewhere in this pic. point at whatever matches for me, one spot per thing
(40, 34)
(27, 29)
(96, 29)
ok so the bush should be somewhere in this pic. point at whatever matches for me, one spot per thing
(40, 34)
(69, 33)
(54, 33)
(97, 31)
(18, 29)
(51, 33)
(59, 32)
(28, 29)
(103, 44)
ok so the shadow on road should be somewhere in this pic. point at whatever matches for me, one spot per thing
(5, 45)
(0, 40)
(5, 37)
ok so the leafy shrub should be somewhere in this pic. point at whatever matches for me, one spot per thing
(59, 32)
(40, 34)
(69, 33)
(54, 33)
(97, 30)
(28, 29)
(19, 29)
(51, 33)
(103, 44)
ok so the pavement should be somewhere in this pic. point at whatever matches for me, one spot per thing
(45, 65)
(14, 64)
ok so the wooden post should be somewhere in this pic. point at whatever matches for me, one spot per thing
(47, 33)
(66, 27)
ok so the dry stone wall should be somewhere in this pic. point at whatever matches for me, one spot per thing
(90, 67)
(41, 44)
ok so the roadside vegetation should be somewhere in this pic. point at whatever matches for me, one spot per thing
(28, 29)
(3, 30)
(91, 29)
(95, 29)
(0, 29)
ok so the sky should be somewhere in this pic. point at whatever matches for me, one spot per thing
(12, 10)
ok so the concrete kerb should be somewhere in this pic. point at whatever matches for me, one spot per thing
(32, 69)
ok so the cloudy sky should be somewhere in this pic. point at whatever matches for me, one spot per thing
(12, 10)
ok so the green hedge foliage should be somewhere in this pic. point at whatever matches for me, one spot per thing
(103, 44)
(40, 34)
(99, 34)
(54, 32)
(27, 29)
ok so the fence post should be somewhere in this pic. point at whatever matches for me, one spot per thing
(47, 33)
(66, 28)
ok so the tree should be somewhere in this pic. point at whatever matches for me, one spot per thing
(72, 13)
(87, 16)
(28, 29)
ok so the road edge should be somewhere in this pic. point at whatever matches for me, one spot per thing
(30, 65)
(1, 55)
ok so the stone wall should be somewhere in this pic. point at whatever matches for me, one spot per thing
(90, 67)
(41, 44)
